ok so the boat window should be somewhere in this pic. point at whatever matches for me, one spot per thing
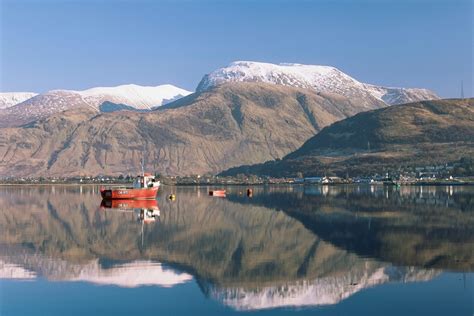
(138, 183)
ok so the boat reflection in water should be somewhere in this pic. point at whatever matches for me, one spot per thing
(285, 247)
(146, 210)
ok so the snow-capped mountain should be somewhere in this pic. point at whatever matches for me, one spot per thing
(138, 97)
(322, 291)
(129, 275)
(8, 99)
(320, 78)
(325, 290)
(101, 99)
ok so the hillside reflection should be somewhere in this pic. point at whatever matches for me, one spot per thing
(430, 227)
(327, 244)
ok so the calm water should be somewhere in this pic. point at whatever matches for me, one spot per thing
(345, 250)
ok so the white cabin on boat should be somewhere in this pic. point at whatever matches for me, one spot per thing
(146, 180)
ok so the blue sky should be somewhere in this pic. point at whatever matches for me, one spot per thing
(71, 44)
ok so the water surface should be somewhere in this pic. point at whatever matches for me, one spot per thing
(320, 250)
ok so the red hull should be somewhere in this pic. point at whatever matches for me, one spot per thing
(218, 193)
(129, 193)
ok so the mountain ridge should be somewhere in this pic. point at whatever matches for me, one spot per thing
(54, 101)
(316, 77)
(233, 124)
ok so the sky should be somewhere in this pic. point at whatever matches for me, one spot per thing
(73, 44)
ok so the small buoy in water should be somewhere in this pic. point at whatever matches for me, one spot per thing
(172, 197)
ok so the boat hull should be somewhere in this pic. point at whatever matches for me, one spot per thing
(129, 193)
(217, 193)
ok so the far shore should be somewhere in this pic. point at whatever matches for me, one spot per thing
(73, 184)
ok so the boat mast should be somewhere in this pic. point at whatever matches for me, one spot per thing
(143, 162)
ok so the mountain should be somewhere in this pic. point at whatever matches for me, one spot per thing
(407, 226)
(245, 256)
(8, 99)
(415, 134)
(104, 99)
(323, 291)
(227, 126)
(129, 275)
(319, 78)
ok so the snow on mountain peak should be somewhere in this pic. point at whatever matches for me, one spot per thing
(8, 99)
(320, 78)
(139, 97)
(290, 74)
(128, 96)
(326, 290)
(135, 96)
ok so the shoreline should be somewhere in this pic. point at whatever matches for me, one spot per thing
(74, 184)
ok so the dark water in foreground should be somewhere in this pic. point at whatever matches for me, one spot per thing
(344, 250)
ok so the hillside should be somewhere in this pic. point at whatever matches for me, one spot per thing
(414, 134)
(407, 226)
(230, 125)
(316, 77)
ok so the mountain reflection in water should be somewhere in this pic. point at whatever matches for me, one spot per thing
(285, 246)
(430, 227)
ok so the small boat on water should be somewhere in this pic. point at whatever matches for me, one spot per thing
(218, 193)
(144, 187)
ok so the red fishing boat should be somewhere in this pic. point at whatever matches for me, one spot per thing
(144, 187)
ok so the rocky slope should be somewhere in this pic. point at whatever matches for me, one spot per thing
(414, 134)
(230, 125)
(101, 99)
(319, 78)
